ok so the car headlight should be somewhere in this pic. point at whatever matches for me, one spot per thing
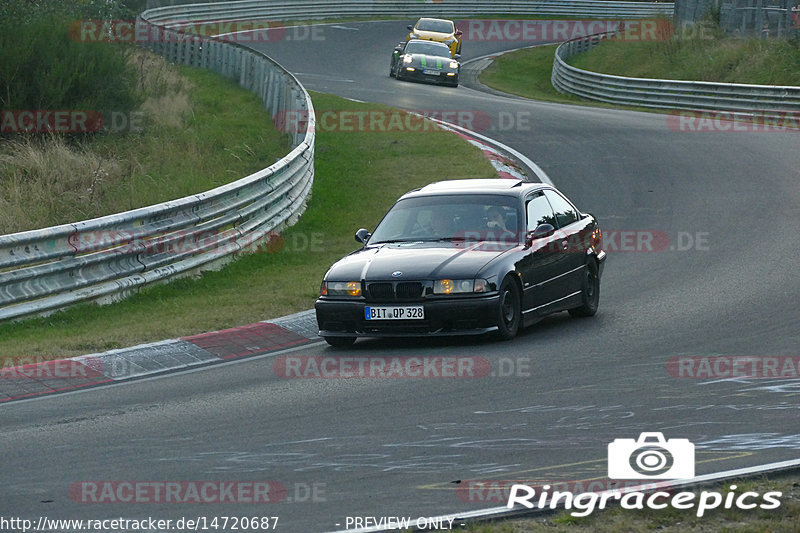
(460, 286)
(407, 59)
(351, 289)
(454, 64)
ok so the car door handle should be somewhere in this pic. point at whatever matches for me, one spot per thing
(565, 244)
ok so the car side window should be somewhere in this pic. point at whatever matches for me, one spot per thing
(538, 211)
(565, 213)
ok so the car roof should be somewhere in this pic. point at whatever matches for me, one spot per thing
(509, 187)
(426, 42)
(431, 18)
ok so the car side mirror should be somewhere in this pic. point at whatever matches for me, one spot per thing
(541, 231)
(398, 48)
(363, 236)
(457, 57)
(459, 32)
(410, 27)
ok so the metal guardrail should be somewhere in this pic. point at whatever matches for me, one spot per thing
(322, 9)
(105, 258)
(770, 100)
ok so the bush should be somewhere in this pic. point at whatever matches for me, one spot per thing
(43, 68)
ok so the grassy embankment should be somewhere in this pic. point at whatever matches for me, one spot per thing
(702, 56)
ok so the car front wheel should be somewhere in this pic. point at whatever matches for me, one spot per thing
(590, 291)
(509, 314)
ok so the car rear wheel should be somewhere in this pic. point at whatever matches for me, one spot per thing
(508, 311)
(590, 291)
(340, 342)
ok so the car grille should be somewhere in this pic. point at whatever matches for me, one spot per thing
(381, 291)
(408, 290)
(403, 290)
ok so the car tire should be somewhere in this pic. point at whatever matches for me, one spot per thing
(590, 291)
(509, 314)
(340, 342)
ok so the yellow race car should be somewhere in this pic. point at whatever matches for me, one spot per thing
(440, 30)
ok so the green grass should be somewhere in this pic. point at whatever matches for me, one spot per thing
(199, 131)
(358, 176)
(703, 58)
(527, 72)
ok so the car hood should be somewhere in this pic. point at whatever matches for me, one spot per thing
(427, 61)
(434, 35)
(418, 261)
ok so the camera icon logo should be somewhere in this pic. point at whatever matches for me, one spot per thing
(650, 457)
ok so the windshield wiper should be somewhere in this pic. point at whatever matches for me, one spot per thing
(392, 241)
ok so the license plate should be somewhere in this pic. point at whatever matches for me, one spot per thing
(416, 312)
(430, 72)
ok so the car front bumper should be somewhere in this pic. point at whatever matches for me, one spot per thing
(418, 75)
(447, 317)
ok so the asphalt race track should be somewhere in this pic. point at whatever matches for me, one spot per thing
(702, 237)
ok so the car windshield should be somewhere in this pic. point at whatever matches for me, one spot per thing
(439, 26)
(473, 217)
(429, 48)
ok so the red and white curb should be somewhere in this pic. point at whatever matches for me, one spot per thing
(34, 379)
(508, 163)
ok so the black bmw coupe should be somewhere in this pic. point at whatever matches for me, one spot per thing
(465, 257)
